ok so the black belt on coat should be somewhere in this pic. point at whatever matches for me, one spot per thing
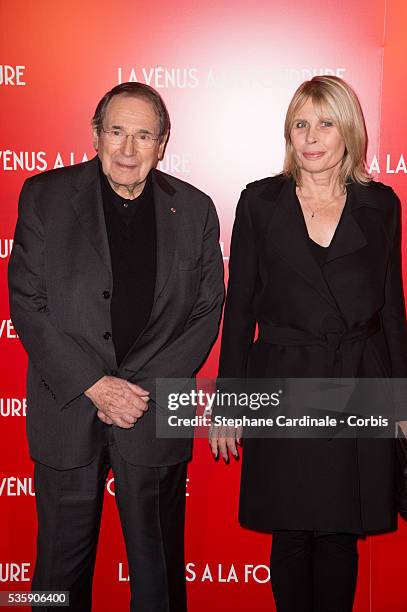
(332, 340)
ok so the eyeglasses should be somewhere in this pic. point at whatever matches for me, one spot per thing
(144, 140)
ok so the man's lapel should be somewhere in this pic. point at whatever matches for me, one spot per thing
(167, 215)
(88, 206)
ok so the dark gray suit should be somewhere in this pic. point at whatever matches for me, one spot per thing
(58, 275)
(60, 281)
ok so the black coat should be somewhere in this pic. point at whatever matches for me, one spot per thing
(60, 275)
(274, 280)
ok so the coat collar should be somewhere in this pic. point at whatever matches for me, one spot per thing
(287, 231)
(88, 206)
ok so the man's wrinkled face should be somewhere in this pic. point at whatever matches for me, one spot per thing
(127, 165)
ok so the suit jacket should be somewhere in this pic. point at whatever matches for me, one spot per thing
(274, 280)
(60, 279)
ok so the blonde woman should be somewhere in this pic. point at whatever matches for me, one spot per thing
(315, 262)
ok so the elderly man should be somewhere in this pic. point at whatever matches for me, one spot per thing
(116, 278)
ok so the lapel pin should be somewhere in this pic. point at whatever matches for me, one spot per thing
(173, 210)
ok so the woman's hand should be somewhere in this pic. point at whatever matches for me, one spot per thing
(224, 440)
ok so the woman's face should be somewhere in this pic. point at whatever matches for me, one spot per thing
(316, 140)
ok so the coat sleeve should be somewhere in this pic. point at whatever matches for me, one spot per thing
(393, 316)
(239, 319)
(393, 312)
(66, 369)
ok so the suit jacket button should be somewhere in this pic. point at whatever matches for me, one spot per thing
(107, 335)
(106, 294)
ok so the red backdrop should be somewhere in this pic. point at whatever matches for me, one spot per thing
(227, 71)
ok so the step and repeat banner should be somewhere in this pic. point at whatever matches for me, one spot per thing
(227, 71)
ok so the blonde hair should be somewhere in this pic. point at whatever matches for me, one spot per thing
(334, 96)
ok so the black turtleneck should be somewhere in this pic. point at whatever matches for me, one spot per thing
(131, 232)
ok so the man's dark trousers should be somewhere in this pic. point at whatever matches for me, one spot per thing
(151, 503)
